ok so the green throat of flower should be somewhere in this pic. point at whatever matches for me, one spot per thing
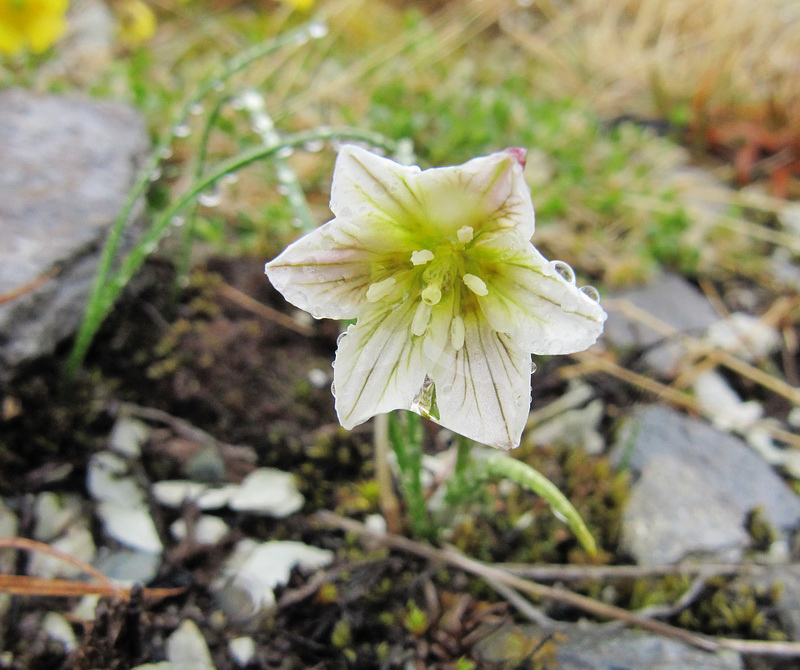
(449, 270)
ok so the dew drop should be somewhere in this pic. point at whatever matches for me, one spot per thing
(534, 367)
(284, 152)
(314, 146)
(165, 153)
(282, 190)
(230, 178)
(155, 175)
(564, 270)
(333, 389)
(181, 130)
(317, 30)
(590, 292)
(339, 339)
(424, 399)
(177, 221)
(196, 109)
(211, 197)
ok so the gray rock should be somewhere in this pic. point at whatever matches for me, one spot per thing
(672, 515)
(729, 473)
(68, 164)
(669, 299)
(592, 647)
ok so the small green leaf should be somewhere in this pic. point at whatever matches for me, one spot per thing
(524, 475)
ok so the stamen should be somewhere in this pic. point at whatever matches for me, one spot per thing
(465, 234)
(422, 317)
(432, 294)
(457, 332)
(476, 285)
(380, 289)
(421, 257)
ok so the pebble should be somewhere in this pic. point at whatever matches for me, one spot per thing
(592, 647)
(207, 529)
(731, 475)
(670, 299)
(254, 570)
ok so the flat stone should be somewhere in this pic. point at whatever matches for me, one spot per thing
(592, 647)
(127, 566)
(724, 465)
(671, 300)
(672, 515)
(68, 164)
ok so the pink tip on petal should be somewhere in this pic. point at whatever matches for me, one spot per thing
(519, 154)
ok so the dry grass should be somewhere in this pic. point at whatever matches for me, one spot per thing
(726, 57)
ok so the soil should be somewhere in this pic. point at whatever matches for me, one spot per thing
(244, 379)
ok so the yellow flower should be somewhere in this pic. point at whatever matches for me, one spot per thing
(137, 23)
(32, 25)
(301, 5)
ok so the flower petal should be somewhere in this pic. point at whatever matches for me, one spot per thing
(376, 196)
(541, 311)
(383, 197)
(483, 390)
(379, 365)
(487, 194)
(325, 274)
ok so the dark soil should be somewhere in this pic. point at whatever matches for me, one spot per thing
(245, 380)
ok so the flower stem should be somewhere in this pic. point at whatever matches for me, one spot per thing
(390, 505)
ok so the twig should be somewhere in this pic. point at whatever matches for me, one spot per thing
(252, 305)
(184, 429)
(494, 575)
(564, 573)
(390, 505)
(39, 586)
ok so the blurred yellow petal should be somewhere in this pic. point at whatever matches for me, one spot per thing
(137, 23)
(302, 5)
(32, 25)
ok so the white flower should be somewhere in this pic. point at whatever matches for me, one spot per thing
(451, 298)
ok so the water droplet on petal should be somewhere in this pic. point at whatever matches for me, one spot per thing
(424, 399)
(339, 339)
(590, 292)
(564, 270)
(333, 389)
(533, 366)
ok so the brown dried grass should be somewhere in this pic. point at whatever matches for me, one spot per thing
(734, 58)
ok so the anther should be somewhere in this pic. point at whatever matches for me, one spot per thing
(380, 289)
(421, 257)
(422, 317)
(476, 285)
(465, 234)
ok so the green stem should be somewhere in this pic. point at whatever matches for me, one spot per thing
(107, 287)
(405, 436)
(523, 474)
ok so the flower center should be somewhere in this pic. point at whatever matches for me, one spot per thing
(443, 270)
